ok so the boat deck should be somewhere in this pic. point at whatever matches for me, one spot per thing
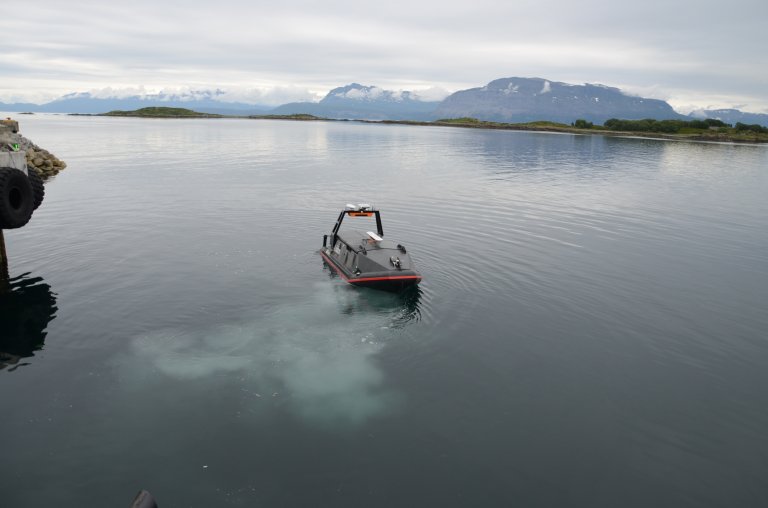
(358, 240)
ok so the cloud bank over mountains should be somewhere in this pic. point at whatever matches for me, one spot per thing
(266, 97)
(513, 100)
(257, 96)
(688, 52)
(375, 93)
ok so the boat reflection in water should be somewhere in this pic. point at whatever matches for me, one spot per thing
(27, 305)
(402, 307)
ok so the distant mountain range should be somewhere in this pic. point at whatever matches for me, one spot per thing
(511, 100)
(364, 103)
(204, 101)
(531, 99)
(732, 116)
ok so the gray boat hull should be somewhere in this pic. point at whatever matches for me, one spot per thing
(366, 259)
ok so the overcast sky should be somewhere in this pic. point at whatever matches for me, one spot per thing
(698, 53)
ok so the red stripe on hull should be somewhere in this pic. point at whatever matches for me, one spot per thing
(368, 279)
(333, 265)
(372, 279)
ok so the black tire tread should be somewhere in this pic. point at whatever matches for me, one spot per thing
(11, 218)
(38, 189)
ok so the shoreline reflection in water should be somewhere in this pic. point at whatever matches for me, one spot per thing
(26, 308)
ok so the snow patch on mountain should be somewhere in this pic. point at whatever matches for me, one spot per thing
(362, 93)
(431, 94)
(368, 93)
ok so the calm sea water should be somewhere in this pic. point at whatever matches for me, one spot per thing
(592, 329)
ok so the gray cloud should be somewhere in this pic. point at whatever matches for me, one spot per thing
(682, 50)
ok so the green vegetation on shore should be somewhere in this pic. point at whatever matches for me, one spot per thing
(695, 130)
(162, 112)
(708, 129)
(296, 116)
(483, 124)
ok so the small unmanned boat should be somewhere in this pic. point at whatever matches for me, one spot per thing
(365, 258)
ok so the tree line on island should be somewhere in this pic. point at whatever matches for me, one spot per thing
(708, 129)
(670, 126)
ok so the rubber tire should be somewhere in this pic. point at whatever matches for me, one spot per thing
(16, 199)
(38, 189)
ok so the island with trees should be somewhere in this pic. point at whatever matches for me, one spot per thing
(694, 130)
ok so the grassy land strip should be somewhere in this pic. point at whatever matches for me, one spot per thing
(693, 130)
(162, 112)
(739, 134)
(297, 116)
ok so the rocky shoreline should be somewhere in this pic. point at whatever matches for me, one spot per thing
(46, 164)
